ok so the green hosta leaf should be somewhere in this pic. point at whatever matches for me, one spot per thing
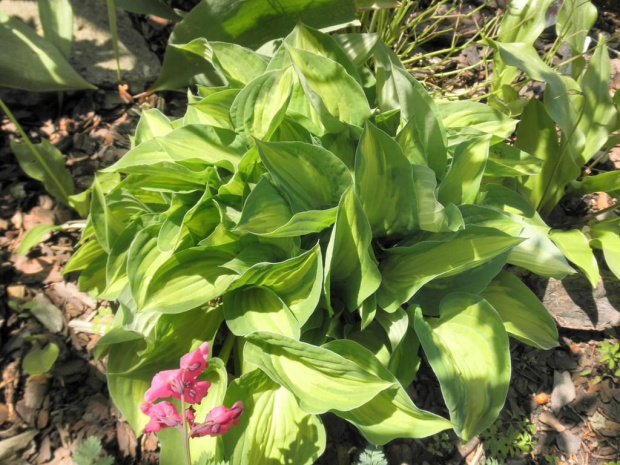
(406, 269)
(171, 442)
(467, 347)
(606, 236)
(536, 253)
(260, 107)
(605, 182)
(462, 183)
(432, 216)
(86, 254)
(297, 281)
(463, 114)
(599, 114)
(339, 99)
(153, 123)
(391, 414)
(106, 224)
(238, 64)
(259, 309)
(537, 135)
(574, 21)
(29, 62)
(34, 236)
(418, 106)
(358, 47)
(46, 164)
(195, 146)
(292, 164)
(57, 22)
(329, 380)
(576, 247)
(272, 428)
(384, 184)
(405, 360)
(350, 269)
(525, 317)
(188, 279)
(214, 109)
(40, 361)
(508, 161)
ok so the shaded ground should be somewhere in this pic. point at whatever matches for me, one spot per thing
(43, 418)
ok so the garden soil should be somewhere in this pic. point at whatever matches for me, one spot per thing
(563, 406)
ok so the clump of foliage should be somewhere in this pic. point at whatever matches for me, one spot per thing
(609, 357)
(90, 452)
(513, 437)
(321, 219)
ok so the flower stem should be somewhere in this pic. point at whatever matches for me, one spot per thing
(188, 459)
(227, 347)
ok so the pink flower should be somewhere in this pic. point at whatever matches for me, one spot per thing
(163, 415)
(195, 362)
(182, 382)
(218, 421)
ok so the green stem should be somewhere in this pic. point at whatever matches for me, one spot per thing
(188, 458)
(114, 33)
(227, 347)
(33, 149)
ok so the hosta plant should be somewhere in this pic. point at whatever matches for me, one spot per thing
(320, 221)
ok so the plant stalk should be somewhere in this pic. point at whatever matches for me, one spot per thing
(227, 347)
(186, 453)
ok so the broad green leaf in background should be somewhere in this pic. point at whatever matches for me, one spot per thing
(417, 105)
(384, 184)
(598, 115)
(608, 182)
(406, 269)
(337, 99)
(171, 442)
(261, 105)
(39, 361)
(606, 236)
(536, 134)
(431, 215)
(329, 380)
(574, 21)
(291, 164)
(464, 114)
(296, 281)
(213, 109)
(391, 414)
(153, 123)
(358, 47)
(106, 224)
(508, 161)
(468, 349)
(350, 269)
(575, 246)
(188, 279)
(525, 317)
(35, 236)
(462, 182)
(259, 309)
(249, 23)
(239, 65)
(272, 428)
(57, 22)
(45, 163)
(29, 62)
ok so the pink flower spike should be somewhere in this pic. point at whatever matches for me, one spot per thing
(165, 384)
(196, 391)
(163, 415)
(195, 362)
(218, 421)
